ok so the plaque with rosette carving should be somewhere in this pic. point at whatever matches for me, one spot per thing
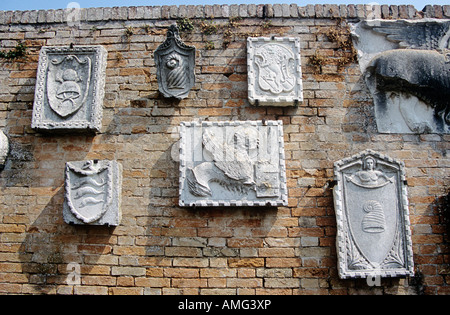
(70, 88)
(373, 228)
(274, 71)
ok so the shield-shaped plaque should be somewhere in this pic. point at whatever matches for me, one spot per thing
(70, 86)
(175, 63)
(68, 80)
(92, 192)
(371, 206)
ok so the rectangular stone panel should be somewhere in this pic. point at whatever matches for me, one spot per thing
(70, 88)
(93, 192)
(373, 228)
(232, 163)
(274, 71)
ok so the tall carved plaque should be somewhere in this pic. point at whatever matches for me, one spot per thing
(93, 192)
(232, 163)
(274, 71)
(70, 88)
(373, 229)
(175, 63)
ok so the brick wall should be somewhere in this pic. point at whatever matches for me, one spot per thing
(160, 248)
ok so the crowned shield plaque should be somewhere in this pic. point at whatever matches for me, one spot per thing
(93, 192)
(373, 235)
(232, 163)
(274, 71)
(70, 88)
(175, 63)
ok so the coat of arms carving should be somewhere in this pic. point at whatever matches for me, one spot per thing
(373, 235)
(70, 88)
(274, 71)
(93, 192)
(175, 63)
(233, 163)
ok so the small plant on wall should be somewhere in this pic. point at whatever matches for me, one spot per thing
(17, 52)
(346, 52)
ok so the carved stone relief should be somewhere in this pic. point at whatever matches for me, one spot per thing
(274, 71)
(406, 67)
(175, 63)
(373, 229)
(232, 163)
(70, 88)
(93, 192)
(4, 149)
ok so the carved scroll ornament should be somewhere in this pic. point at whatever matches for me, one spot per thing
(274, 71)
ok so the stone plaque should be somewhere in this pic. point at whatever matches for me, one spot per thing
(175, 63)
(371, 205)
(4, 149)
(274, 71)
(93, 192)
(407, 70)
(232, 163)
(70, 88)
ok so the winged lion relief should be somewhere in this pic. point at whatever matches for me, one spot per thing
(406, 66)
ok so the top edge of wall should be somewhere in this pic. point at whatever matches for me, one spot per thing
(350, 11)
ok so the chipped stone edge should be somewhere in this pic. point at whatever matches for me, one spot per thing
(340, 213)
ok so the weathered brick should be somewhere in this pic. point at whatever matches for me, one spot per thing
(161, 248)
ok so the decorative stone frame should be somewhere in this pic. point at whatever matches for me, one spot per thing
(352, 259)
(89, 114)
(86, 185)
(261, 93)
(270, 166)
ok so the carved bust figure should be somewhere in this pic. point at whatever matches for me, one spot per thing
(371, 205)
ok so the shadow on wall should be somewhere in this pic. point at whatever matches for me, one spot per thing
(52, 249)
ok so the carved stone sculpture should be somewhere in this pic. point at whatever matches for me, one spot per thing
(371, 205)
(70, 88)
(4, 149)
(175, 63)
(93, 192)
(274, 71)
(232, 163)
(407, 70)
